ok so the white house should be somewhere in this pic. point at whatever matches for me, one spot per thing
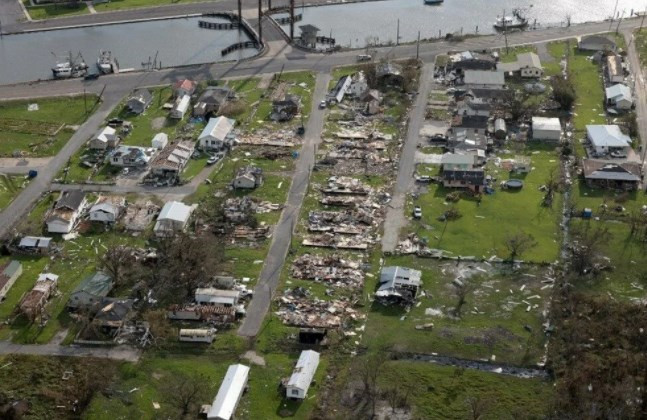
(358, 85)
(217, 134)
(231, 389)
(546, 129)
(173, 218)
(8, 277)
(107, 208)
(131, 156)
(302, 375)
(66, 212)
(248, 177)
(615, 72)
(159, 141)
(530, 65)
(181, 107)
(607, 138)
(106, 137)
(216, 297)
(619, 96)
(200, 335)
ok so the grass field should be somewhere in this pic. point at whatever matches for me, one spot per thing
(10, 187)
(511, 54)
(557, 50)
(49, 11)
(587, 80)
(42, 132)
(482, 229)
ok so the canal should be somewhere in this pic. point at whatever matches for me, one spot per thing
(175, 42)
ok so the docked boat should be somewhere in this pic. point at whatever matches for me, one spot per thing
(516, 21)
(433, 1)
(107, 63)
(70, 67)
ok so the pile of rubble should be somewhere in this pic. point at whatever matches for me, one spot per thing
(280, 138)
(332, 269)
(346, 185)
(349, 222)
(336, 241)
(237, 210)
(297, 309)
(140, 214)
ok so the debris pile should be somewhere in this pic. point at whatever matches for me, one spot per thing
(217, 315)
(274, 138)
(348, 222)
(346, 185)
(296, 308)
(140, 214)
(237, 210)
(331, 269)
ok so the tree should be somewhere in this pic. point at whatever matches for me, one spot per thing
(586, 247)
(518, 244)
(478, 407)
(461, 290)
(117, 262)
(563, 92)
(369, 373)
(518, 106)
(185, 392)
(552, 185)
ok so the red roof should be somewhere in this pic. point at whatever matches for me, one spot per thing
(185, 84)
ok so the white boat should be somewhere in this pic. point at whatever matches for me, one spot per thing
(70, 67)
(106, 63)
(516, 21)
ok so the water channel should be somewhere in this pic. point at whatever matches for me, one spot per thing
(176, 42)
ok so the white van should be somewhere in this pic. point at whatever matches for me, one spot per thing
(364, 57)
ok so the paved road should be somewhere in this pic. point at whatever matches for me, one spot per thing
(11, 14)
(395, 213)
(640, 96)
(282, 237)
(125, 353)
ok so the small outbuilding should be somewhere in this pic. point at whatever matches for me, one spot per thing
(302, 376)
(159, 141)
(500, 129)
(547, 129)
(248, 177)
(216, 297)
(107, 208)
(35, 245)
(231, 390)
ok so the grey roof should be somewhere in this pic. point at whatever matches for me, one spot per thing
(305, 370)
(215, 95)
(35, 241)
(607, 136)
(456, 159)
(11, 268)
(529, 59)
(97, 284)
(605, 170)
(484, 77)
(143, 95)
(113, 310)
(70, 200)
(309, 28)
(596, 41)
(618, 92)
(393, 276)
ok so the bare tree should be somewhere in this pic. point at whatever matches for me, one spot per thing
(518, 244)
(184, 393)
(586, 248)
(461, 290)
(369, 373)
(116, 262)
(552, 185)
(477, 407)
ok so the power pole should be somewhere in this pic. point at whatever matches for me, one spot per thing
(260, 18)
(418, 47)
(85, 102)
(613, 16)
(240, 14)
(620, 21)
(269, 4)
(291, 20)
(397, 37)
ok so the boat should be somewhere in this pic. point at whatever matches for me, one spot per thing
(106, 63)
(70, 67)
(515, 21)
(433, 1)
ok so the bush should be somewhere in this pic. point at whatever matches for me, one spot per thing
(453, 197)
(563, 92)
(232, 109)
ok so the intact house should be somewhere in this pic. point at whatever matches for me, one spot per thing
(211, 100)
(597, 43)
(34, 301)
(180, 107)
(131, 156)
(619, 97)
(104, 138)
(285, 109)
(174, 217)
(231, 390)
(35, 245)
(478, 124)
(112, 314)
(615, 72)
(139, 101)
(612, 175)
(159, 141)
(217, 134)
(217, 297)
(302, 376)
(607, 139)
(248, 177)
(171, 161)
(389, 74)
(400, 284)
(108, 208)
(10, 273)
(66, 212)
(547, 129)
(459, 171)
(336, 95)
(308, 36)
(475, 79)
(527, 65)
(184, 87)
(90, 292)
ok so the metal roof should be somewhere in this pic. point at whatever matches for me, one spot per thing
(546, 124)
(104, 134)
(231, 389)
(218, 128)
(618, 92)
(456, 159)
(175, 210)
(11, 268)
(97, 283)
(607, 136)
(183, 104)
(484, 77)
(304, 371)
(35, 241)
(529, 59)
(396, 275)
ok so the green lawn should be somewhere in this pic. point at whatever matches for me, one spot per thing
(511, 54)
(10, 187)
(482, 229)
(587, 80)
(557, 50)
(49, 11)
(113, 5)
(45, 131)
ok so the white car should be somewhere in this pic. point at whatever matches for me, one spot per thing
(364, 57)
(322, 105)
(417, 212)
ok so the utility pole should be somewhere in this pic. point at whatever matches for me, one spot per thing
(85, 102)
(397, 36)
(613, 16)
(269, 4)
(240, 14)
(620, 21)
(291, 20)
(260, 18)
(418, 47)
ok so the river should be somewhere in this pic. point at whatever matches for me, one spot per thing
(29, 57)
(356, 24)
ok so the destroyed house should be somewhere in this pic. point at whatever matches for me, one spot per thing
(231, 390)
(469, 60)
(131, 156)
(359, 85)
(211, 100)
(90, 291)
(171, 161)
(389, 74)
(216, 297)
(615, 72)
(10, 273)
(611, 175)
(399, 283)
(285, 109)
(208, 313)
(492, 95)
(336, 95)
(66, 212)
(33, 302)
(248, 177)
(112, 313)
(475, 107)
(302, 376)
(139, 101)
(107, 208)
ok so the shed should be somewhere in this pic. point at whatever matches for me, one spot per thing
(299, 383)
(173, 218)
(248, 177)
(35, 244)
(181, 107)
(107, 208)
(159, 141)
(8, 277)
(217, 134)
(546, 129)
(90, 291)
(104, 138)
(231, 390)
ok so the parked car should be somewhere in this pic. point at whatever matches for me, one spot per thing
(425, 179)
(322, 105)
(364, 57)
(618, 154)
(417, 212)
(212, 160)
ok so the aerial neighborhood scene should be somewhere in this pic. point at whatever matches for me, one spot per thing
(397, 209)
